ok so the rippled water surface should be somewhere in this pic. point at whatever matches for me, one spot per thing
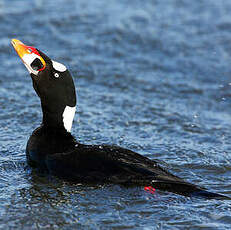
(153, 76)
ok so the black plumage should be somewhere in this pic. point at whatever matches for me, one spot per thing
(56, 152)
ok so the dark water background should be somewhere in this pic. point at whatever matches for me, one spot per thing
(153, 76)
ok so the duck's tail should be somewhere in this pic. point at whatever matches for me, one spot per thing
(187, 189)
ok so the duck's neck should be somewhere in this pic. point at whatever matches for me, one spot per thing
(59, 118)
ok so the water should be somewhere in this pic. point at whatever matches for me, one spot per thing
(151, 76)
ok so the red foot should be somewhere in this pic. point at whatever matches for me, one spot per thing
(150, 189)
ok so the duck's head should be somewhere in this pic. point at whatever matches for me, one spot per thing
(53, 84)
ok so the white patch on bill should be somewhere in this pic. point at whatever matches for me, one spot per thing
(58, 66)
(68, 116)
(27, 60)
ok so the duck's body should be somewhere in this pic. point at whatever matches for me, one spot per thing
(52, 149)
(56, 152)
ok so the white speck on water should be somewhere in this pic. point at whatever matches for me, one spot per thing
(195, 116)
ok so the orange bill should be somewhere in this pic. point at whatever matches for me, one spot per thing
(28, 54)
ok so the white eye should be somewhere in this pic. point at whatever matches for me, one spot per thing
(56, 75)
(58, 66)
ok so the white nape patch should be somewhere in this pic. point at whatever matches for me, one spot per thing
(27, 60)
(58, 66)
(68, 116)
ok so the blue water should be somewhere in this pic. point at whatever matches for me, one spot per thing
(151, 76)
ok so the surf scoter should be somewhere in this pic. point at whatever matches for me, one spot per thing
(52, 149)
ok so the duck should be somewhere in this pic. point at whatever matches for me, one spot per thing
(52, 148)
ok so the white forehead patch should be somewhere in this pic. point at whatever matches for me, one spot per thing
(68, 116)
(58, 66)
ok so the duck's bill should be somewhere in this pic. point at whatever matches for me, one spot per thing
(30, 57)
